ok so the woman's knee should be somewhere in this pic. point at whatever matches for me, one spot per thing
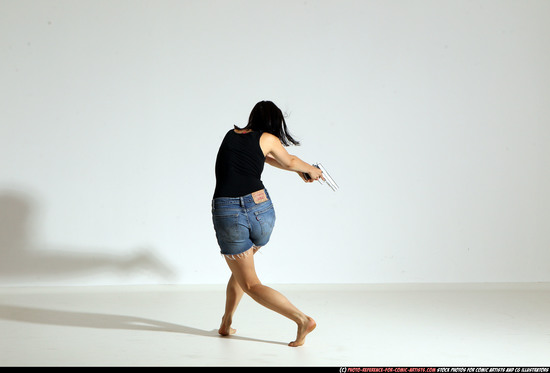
(249, 284)
(244, 273)
(255, 289)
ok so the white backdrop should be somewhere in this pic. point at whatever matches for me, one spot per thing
(433, 116)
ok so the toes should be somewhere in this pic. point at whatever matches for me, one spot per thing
(295, 344)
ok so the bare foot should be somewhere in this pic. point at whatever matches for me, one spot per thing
(226, 329)
(303, 330)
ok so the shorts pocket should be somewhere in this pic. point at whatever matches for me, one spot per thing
(266, 218)
(226, 226)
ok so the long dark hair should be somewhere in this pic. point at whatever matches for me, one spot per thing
(267, 117)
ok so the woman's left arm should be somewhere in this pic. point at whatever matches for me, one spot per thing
(273, 162)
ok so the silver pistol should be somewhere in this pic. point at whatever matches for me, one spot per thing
(329, 180)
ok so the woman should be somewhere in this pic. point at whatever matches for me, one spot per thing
(243, 213)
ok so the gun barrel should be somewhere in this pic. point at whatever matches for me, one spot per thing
(330, 181)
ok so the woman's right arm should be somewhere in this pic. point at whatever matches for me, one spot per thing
(274, 150)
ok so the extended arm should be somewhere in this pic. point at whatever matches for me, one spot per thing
(277, 156)
(273, 162)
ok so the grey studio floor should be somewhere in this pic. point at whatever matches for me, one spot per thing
(358, 325)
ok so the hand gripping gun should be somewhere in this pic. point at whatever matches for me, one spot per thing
(329, 180)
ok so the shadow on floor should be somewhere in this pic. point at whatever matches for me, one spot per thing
(43, 316)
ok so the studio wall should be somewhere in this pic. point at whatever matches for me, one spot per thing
(432, 116)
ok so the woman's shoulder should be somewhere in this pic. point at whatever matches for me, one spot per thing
(268, 142)
(268, 136)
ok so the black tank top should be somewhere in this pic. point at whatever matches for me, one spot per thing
(239, 165)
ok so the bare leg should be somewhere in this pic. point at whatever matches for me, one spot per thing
(233, 295)
(244, 273)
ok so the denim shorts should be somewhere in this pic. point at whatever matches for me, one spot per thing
(240, 223)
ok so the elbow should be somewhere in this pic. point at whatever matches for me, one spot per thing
(292, 163)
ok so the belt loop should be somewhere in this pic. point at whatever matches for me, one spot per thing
(241, 200)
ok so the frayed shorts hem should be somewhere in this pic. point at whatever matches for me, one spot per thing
(242, 255)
